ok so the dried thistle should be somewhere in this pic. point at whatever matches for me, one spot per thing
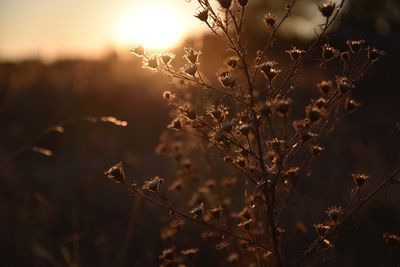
(116, 173)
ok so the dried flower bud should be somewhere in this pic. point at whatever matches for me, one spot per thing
(168, 95)
(320, 102)
(167, 254)
(270, 20)
(334, 212)
(198, 211)
(202, 15)
(282, 106)
(324, 87)
(116, 173)
(355, 45)
(191, 55)
(153, 184)
(313, 113)
(375, 54)
(190, 69)
(266, 109)
(329, 52)
(151, 63)
(137, 50)
(227, 79)
(327, 9)
(322, 229)
(344, 84)
(307, 135)
(176, 124)
(232, 62)
(391, 239)
(360, 178)
(246, 224)
(244, 128)
(190, 254)
(166, 58)
(226, 4)
(316, 150)
(351, 105)
(216, 213)
(295, 53)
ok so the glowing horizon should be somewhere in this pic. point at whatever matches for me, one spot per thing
(49, 29)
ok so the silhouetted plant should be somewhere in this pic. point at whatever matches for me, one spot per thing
(228, 129)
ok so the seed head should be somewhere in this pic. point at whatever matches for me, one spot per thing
(151, 63)
(198, 211)
(391, 239)
(355, 45)
(232, 62)
(243, 3)
(282, 106)
(360, 178)
(316, 150)
(191, 55)
(295, 53)
(345, 56)
(227, 79)
(270, 20)
(334, 212)
(153, 184)
(190, 253)
(116, 173)
(137, 50)
(324, 87)
(226, 4)
(314, 113)
(351, 105)
(344, 84)
(166, 58)
(168, 95)
(190, 69)
(328, 52)
(167, 254)
(322, 229)
(375, 54)
(176, 124)
(246, 224)
(327, 8)
(202, 15)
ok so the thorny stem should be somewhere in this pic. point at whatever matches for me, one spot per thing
(360, 204)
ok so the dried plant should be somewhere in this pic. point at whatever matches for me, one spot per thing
(232, 129)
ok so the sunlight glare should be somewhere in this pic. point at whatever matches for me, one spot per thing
(155, 26)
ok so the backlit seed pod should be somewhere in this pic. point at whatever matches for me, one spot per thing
(137, 50)
(227, 79)
(328, 52)
(351, 105)
(334, 213)
(166, 58)
(232, 62)
(295, 53)
(190, 69)
(355, 45)
(345, 56)
(153, 184)
(391, 239)
(202, 15)
(216, 213)
(226, 4)
(360, 178)
(327, 9)
(246, 224)
(191, 55)
(116, 173)
(190, 253)
(198, 211)
(374, 54)
(167, 254)
(176, 124)
(343, 84)
(282, 106)
(316, 150)
(324, 87)
(313, 113)
(151, 63)
(320, 102)
(270, 20)
(243, 3)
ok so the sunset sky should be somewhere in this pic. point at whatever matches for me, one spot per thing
(52, 28)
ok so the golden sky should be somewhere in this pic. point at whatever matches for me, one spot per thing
(54, 28)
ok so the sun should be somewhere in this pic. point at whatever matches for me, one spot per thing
(156, 26)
